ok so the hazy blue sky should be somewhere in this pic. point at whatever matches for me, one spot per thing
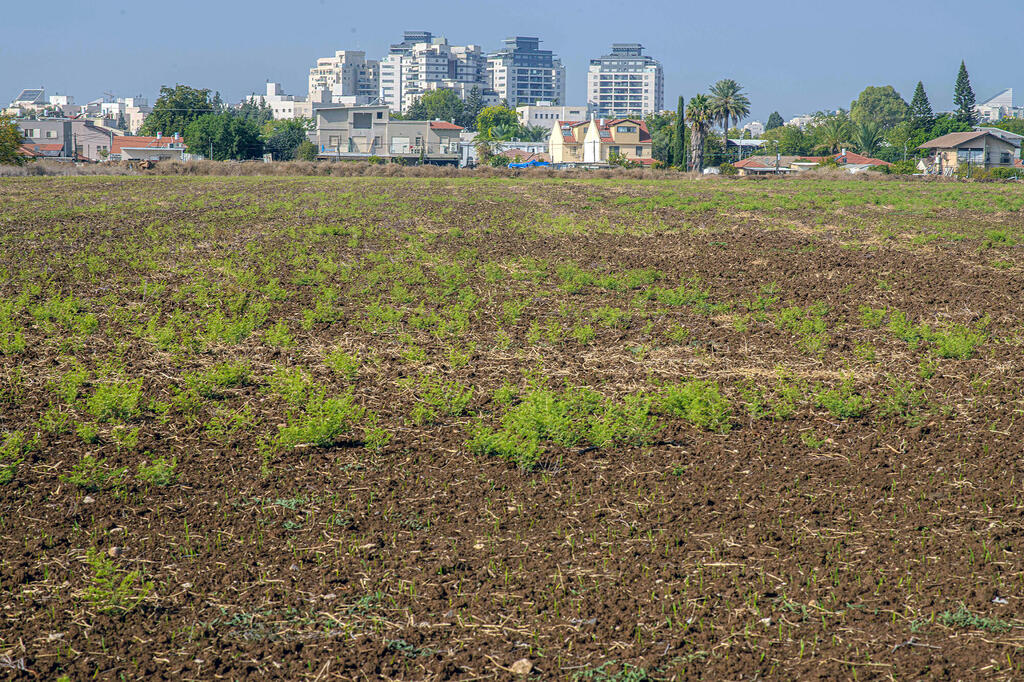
(795, 56)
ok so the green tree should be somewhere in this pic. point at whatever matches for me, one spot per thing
(491, 117)
(679, 138)
(774, 121)
(701, 117)
(963, 97)
(223, 136)
(867, 137)
(505, 131)
(661, 126)
(282, 138)
(921, 114)
(441, 104)
(10, 141)
(728, 104)
(471, 108)
(255, 110)
(832, 133)
(175, 109)
(306, 151)
(121, 124)
(881, 105)
(533, 133)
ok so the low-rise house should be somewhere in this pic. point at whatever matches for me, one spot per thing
(849, 161)
(91, 141)
(596, 141)
(359, 132)
(144, 148)
(976, 149)
(53, 135)
(765, 165)
(544, 114)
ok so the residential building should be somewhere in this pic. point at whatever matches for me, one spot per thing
(999, 107)
(347, 74)
(625, 82)
(1012, 138)
(526, 151)
(144, 148)
(976, 149)
(522, 73)
(594, 141)
(422, 63)
(755, 128)
(800, 122)
(28, 101)
(52, 136)
(769, 165)
(92, 141)
(544, 114)
(283, 107)
(354, 132)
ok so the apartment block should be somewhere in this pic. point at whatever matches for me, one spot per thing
(359, 132)
(626, 82)
(422, 63)
(544, 114)
(522, 73)
(347, 74)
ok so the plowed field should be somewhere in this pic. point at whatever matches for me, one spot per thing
(422, 429)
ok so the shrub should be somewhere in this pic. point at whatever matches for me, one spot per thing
(728, 169)
(700, 403)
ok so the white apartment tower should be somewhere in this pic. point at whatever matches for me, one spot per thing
(625, 82)
(521, 73)
(422, 63)
(347, 74)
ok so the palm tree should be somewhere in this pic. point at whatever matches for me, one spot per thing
(504, 132)
(534, 133)
(868, 137)
(701, 117)
(834, 133)
(728, 104)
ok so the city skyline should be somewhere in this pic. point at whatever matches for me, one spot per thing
(795, 61)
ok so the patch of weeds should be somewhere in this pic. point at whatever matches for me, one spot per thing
(904, 329)
(67, 387)
(576, 417)
(678, 334)
(375, 437)
(965, 619)
(902, 400)
(212, 382)
(345, 365)
(55, 421)
(88, 432)
(13, 449)
(607, 316)
(843, 401)
(111, 589)
(436, 397)
(460, 357)
(811, 440)
(92, 474)
(279, 335)
(291, 385)
(116, 400)
(226, 422)
(159, 471)
(612, 671)
(872, 318)
(408, 650)
(583, 334)
(323, 421)
(809, 325)
(123, 437)
(700, 403)
(959, 341)
(513, 309)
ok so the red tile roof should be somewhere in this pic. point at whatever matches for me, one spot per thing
(567, 137)
(444, 125)
(1018, 163)
(851, 158)
(138, 141)
(32, 150)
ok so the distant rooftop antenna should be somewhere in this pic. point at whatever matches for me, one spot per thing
(109, 95)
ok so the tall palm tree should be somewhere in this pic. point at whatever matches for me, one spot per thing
(868, 137)
(834, 133)
(728, 104)
(701, 117)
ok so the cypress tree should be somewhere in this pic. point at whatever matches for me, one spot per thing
(679, 146)
(774, 121)
(921, 114)
(963, 97)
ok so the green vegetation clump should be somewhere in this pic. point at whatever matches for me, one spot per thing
(92, 473)
(116, 400)
(111, 589)
(322, 422)
(843, 401)
(546, 420)
(699, 402)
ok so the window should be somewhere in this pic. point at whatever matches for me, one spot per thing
(625, 129)
(1004, 158)
(31, 133)
(361, 121)
(380, 114)
(970, 155)
(639, 151)
(52, 134)
(613, 150)
(332, 141)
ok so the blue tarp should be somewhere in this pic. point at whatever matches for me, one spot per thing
(529, 164)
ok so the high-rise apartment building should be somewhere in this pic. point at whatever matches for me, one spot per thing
(347, 74)
(522, 73)
(625, 82)
(422, 63)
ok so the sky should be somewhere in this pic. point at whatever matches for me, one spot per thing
(793, 56)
